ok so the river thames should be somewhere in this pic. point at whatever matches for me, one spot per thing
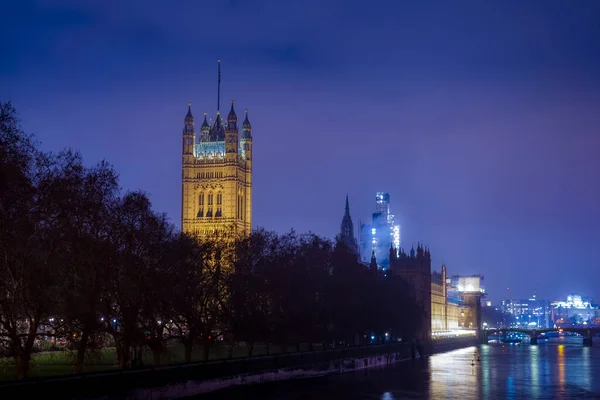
(559, 369)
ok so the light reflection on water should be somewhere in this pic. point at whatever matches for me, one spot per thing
(535, 371)
(559, 369)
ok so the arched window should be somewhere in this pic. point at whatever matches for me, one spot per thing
(242, 207)
(210, 199)
(201, 199)
(219, 198)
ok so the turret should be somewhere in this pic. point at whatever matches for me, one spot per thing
(189, 135)
(373, 265)
(419, 251)
(231, 136)
(392, 255)
(246, 141)
(205, 129)
(232, 120)
(347, 229)
(217, 131)
(188, 121)
(246, 128)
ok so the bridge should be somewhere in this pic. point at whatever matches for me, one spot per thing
(588, 332)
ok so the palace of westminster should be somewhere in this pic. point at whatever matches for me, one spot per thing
(217, 175)
(217, 197)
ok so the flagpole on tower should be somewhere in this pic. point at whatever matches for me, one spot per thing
(219, 85)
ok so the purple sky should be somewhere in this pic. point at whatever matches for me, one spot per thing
(482, 119)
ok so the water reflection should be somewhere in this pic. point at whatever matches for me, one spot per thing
(586, 370)
(561, 366)
(485, 370)
(560, 369)
(535, 371)
(453, 374)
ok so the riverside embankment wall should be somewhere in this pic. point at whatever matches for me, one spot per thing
(183, 380)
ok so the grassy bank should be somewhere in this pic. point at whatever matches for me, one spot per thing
(58, 363)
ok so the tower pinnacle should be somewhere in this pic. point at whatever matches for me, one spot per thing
(347, 229)
(189, 117)
(347, 212)
(232, 114)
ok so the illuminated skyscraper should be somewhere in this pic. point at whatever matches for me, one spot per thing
(217, 175)
(383, 235)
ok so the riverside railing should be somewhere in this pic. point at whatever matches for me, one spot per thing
(123, 380)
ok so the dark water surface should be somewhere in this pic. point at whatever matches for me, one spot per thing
(560, 369)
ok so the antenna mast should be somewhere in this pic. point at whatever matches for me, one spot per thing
(219, 85)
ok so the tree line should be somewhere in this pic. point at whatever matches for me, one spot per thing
(83, 261)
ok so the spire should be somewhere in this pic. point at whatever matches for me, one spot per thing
(373, 265)
(189, 117)
(205, 123)
(246, 128)
(232, 116)
(217, 130)
(347, 212)
(246, 123)
(347, 229)
(232, 120)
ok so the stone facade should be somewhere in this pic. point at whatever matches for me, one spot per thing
(217, 176)
(415, 268)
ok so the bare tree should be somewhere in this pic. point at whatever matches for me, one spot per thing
(28, 238)
(136, 235)
(85, 205)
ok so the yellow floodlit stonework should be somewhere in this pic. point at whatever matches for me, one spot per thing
(217, 176)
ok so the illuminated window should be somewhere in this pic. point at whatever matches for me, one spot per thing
(240, 206)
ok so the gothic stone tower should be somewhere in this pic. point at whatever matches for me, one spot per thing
(217, 176)
(415, 268)
(347, 230)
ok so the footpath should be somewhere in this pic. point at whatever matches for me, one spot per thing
(184, 380)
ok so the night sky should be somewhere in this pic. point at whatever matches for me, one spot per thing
(480, 118)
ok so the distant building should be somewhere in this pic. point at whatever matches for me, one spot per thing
(529, 313)
(470, 289)
(577, 310)
(382, 234)
(347, 230)
(445, 303)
